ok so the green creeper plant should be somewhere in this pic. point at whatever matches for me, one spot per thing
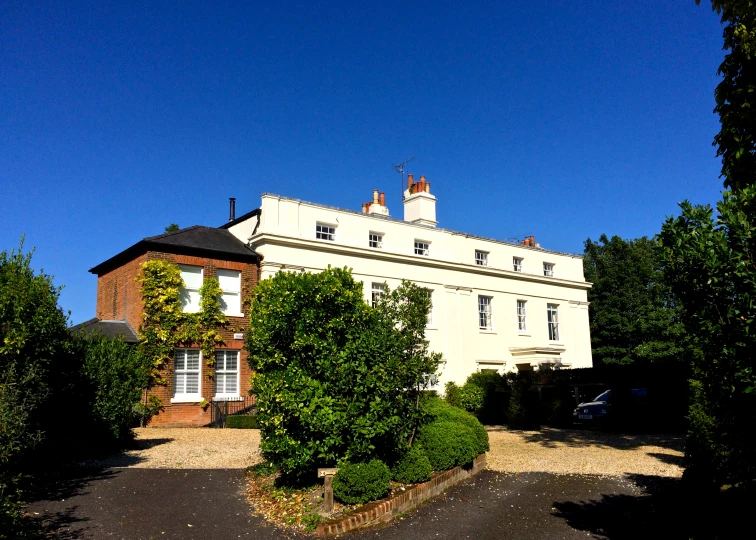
(164, 323)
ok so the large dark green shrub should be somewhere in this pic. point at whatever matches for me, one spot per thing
(524, 406)
(117, 373)
(452, 394)
(496, 394)
(33, 343)
(242, 421)
(448, 444)
(334, 377)
(414, 467)
(438, 410)
(359, 483)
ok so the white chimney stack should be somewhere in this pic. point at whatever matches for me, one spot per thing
(419, 204)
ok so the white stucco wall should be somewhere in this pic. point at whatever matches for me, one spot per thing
(286, 239)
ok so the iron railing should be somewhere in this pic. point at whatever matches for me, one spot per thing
(220, 410)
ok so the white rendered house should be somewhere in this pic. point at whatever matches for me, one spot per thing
(496, 305)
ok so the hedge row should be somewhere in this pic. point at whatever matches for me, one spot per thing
(450, 437)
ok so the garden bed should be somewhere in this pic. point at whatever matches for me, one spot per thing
(400, 501)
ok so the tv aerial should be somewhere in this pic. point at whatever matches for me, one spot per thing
(399, 167)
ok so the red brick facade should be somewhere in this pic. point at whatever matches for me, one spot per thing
(118, 298)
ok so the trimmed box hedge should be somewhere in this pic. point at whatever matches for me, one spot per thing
(242, 421)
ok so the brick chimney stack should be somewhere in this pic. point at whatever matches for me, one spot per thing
(377, 205)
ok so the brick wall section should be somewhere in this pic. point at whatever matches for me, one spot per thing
(118, 297)
(387, 509)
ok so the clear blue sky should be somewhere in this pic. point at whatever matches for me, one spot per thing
(560, 119)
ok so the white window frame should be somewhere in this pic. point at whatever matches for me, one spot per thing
(481, 257)
(548, 269)
(422, 248)
(221, 357)
(185, 397)
(233, 307)
(485, 313)
(325, 231)
(517, 264)
(522, 316)
(552, 315)
(376, 291)
(375, 240)
(184, 268)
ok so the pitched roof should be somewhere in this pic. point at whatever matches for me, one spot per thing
(110, 329)
(196, 240)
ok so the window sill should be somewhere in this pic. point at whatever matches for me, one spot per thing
(187, 399)
(234, 314)
(484, 331)
(523, 334)
(431, 327)
(228, 398)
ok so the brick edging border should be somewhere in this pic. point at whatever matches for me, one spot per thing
(387, 509)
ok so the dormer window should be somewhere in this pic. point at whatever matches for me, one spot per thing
(325, 232)
(548, 269)
(481, 258)
(517, 264)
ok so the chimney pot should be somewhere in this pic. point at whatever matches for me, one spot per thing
(375, 196)
(410, 182)
(382, 198)
(364, 208)
(231, 208)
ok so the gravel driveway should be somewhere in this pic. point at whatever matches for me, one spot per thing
(189, 448)
(569, 451)
(559, 451)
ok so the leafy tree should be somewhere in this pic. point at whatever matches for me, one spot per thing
(632, 313)
(335, 378)
(173, 227)
(736, 93)
(116, 374)
(33, 336)
(711, 267)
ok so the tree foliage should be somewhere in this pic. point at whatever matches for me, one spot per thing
(33, 337)
(711, 267)
(736, 93)
(336, 379)
(633, 315)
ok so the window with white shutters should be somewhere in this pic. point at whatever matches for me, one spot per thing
(226, 373)
(190, 292)
(186, 373)
(230, 283)
(517, 264)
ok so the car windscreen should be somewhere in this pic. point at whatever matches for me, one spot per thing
(604, 396)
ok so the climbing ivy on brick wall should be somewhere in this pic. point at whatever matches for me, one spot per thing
(166, 326)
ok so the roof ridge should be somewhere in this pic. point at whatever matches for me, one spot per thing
(174, 232)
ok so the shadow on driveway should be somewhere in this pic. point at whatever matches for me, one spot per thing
(581, 438)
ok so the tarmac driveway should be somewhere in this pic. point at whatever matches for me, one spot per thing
(132, 503)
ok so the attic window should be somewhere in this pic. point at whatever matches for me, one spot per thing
(325, 232)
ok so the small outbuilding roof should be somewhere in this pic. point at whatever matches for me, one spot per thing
(110, 329)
